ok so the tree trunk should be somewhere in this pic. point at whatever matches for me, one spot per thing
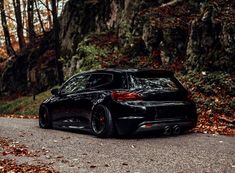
(49, 14)
(9, 47)
(56, 29)
(30, 22)
(24, 19)
(20, 34)
(39, 16)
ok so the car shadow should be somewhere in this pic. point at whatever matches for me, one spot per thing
(142, 135)
(77, 131)
(149, 135)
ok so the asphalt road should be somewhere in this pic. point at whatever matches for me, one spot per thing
(76, 152)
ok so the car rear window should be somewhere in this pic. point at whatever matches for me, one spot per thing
(152, 82)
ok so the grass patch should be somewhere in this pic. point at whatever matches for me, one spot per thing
(24, 105)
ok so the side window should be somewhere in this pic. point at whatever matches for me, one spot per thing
(75, 84)
(99, 80)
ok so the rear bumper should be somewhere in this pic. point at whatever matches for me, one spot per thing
(133, 116)
(137, 125)
(160, 125)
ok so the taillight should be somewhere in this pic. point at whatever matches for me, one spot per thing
(125, 96)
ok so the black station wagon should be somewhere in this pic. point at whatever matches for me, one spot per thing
(122, 101)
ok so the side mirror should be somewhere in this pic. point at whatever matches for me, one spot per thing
(55, 91)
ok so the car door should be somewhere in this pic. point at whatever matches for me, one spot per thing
(98, 82)
(79, 101)
(64, 107)
(84, 99)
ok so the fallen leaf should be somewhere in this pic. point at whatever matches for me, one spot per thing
(59, 157)
(48, 157)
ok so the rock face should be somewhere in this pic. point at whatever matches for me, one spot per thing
(80, 18)
(32, 71)
(198, 32)
(211, 43)
(14, 76)
(162, 26)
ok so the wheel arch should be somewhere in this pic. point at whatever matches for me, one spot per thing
(111, 129)
(105, 101)
(42, 108)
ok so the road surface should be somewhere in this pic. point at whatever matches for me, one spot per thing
(76, 152)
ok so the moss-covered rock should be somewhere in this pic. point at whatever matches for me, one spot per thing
(211, 41)
(32, 70)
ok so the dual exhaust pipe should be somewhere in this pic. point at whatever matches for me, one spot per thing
(175, 130)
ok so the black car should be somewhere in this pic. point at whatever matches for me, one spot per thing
(122, 101)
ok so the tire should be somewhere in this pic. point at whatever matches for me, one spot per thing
(44, 118)
(101, 122)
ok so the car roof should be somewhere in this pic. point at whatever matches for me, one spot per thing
(130, 70)
(163, 73)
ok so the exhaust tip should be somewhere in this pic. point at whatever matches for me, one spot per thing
(176, 130)
(167, 130)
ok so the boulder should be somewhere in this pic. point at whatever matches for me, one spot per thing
(211, 44)
(33, 69)
(83, 17)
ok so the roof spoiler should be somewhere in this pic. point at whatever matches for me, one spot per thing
(155, 72)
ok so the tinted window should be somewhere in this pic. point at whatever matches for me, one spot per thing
(100, 80)
(152, 83)
(75, 84)
(120, 81)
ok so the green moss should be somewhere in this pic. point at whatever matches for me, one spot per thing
(90, 54)
(124, 31)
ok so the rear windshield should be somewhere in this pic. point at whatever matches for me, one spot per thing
(152, 83)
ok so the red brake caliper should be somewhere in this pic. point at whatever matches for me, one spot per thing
(102, 120)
